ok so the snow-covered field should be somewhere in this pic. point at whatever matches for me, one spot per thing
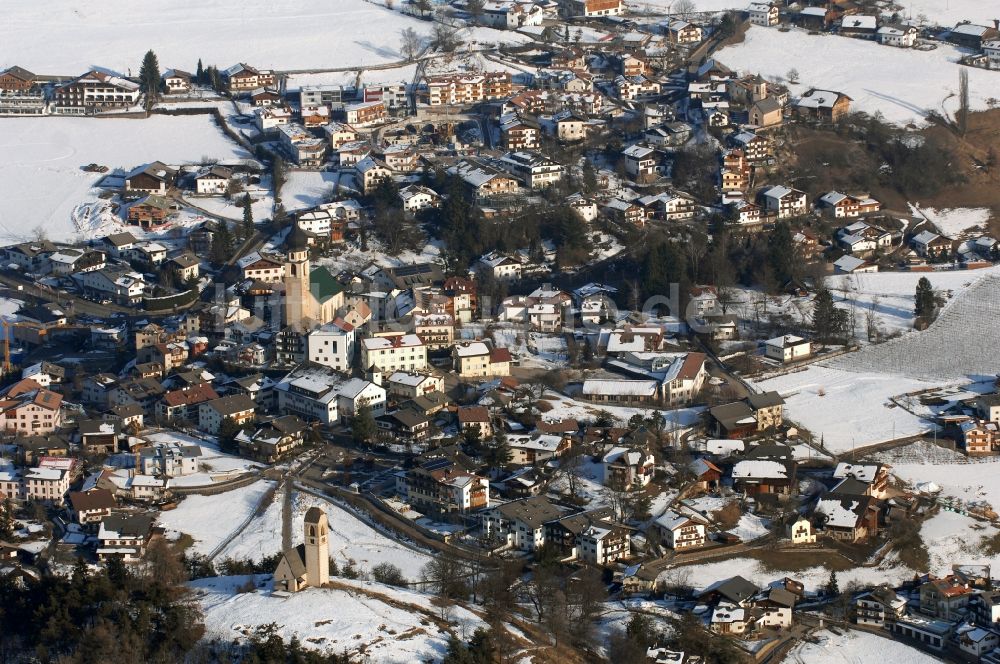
(350, 538)
(262, 203)
(957, 346)
(336, 620)
(211, 519)
(854, 409)
(854, 647)
(703, 574)
(947, 13)
(306, 189)
(845, 65)
(892, 294)
(972, 483)
(955, 222)
(40, 160)
(285, 35)
(953, 539)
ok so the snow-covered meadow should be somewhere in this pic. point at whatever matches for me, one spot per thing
(954, 539)
(854, 647)
(282, 34)
(848, 409)
(971, 483)
(703, 574)
(307, 189)
(209, 520)
(890, 294)
(40, 160)
(956, 222)
(959, 346)
(360, 619)
(845, 65)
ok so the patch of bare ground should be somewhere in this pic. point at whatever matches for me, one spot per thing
(798, 561)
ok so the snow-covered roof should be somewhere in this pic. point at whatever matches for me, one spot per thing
(760, 469)
(861, 472)
(970, 29)
(786, 341)
(671, 520)
(472, 349)
(641, 388)
(859, 22)
(638, 151)
(819, 99)
(847, 262)
(925, 237)
(777, 191)
(540, 442)
(840, 513)
(895, 31)
(397, 341)
(725, 446)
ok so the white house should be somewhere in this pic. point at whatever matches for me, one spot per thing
(680, 531)
(763, 13)
(393, 352)
(501, 266)
(416, 197)
(786, 202)
(332, 345)
(213, 181)
(903, 36)
(802, 532)
(787, 348)
(992, 51)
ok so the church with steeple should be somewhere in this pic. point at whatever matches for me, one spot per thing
(308, 564)
(312, 294)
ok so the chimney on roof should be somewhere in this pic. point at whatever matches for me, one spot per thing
(996, 24)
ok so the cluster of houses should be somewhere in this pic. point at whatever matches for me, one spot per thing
(957, 614)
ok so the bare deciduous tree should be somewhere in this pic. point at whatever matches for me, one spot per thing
(871, 319)
(684, 7)
(410, 43)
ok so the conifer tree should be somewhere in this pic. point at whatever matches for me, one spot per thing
(248, 227)
(924, 299)
(149, 77)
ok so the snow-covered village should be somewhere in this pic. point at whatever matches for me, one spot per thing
(500, 332)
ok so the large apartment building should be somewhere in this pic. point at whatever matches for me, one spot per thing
(454, 89)
(94, 92)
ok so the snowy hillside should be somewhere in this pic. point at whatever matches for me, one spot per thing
(845, 65)
(389, 625)
(281, 34)
(40, 163)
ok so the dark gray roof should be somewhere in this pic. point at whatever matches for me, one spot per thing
(765, 400)
(136, 525)
(731, 413)
(781, 597)
(850, 487)
(736, 590)
(533, 512)
(296, 558)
